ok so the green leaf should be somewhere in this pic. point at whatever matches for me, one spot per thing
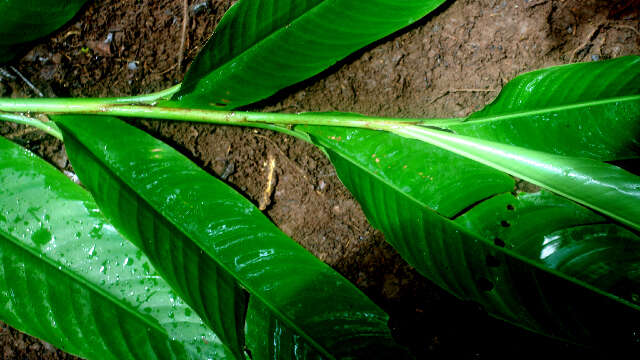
(271, 339)
(597, 185)
(263, 46)
(68, 277)
(576, 242)
(524, 257)
(583, 110)
(206, 285)
(419, 170)
(24, 21)
(494, 248)
(201, 235)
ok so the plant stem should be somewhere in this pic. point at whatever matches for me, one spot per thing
(146, 98)
(48, 127)
(168, 111)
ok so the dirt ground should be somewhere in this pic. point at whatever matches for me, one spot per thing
(449, 64)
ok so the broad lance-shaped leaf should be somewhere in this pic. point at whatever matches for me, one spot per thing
(199, 233)
(596, 185)
(68, 277)
(529, 259)
(206, 285)
(23, 21)
(589, 110)
(263, 46)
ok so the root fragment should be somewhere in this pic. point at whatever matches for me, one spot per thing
(271, 181)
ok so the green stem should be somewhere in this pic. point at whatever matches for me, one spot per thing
(116, 107)
(165, 94)
(48, 127)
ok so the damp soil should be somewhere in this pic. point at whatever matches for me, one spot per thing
(451, 63)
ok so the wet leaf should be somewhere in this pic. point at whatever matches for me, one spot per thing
(602, 187)
(66, 276)
(208, 242)
(586, 110)
(539, 260)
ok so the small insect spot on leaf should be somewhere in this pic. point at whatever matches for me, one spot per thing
(510, 207)
(504, 223)
(499, 242)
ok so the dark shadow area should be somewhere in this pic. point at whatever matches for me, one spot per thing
(435, 324)
(630, 165)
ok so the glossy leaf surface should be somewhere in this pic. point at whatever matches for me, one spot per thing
(26, 20)
(500, 265)
(564, 237)
(597, 185)
(538, 260)
(68, 277)
(586, 110)
(200, 233)
(263, 46)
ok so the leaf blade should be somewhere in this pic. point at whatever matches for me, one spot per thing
(456, 254)
(251, 56)
(59, 263)
(582, 110)
(24, 21)
(600, 186)
(298, 289)
(167, 247)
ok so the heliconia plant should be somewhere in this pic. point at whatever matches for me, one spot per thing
(563, 261)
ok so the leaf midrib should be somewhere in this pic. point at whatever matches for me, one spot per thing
(470, 120)
(443, 144)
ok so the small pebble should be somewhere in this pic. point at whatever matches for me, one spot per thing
(595, 57)
(132, 66)
(228, 170)
(199, 8)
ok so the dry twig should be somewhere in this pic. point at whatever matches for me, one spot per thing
(592, 36)
(447, 92)
(35, 89)
(183, 35)
(537, 3)
(291, 162)
(628, 27)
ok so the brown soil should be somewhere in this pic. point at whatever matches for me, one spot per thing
(449, 64)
